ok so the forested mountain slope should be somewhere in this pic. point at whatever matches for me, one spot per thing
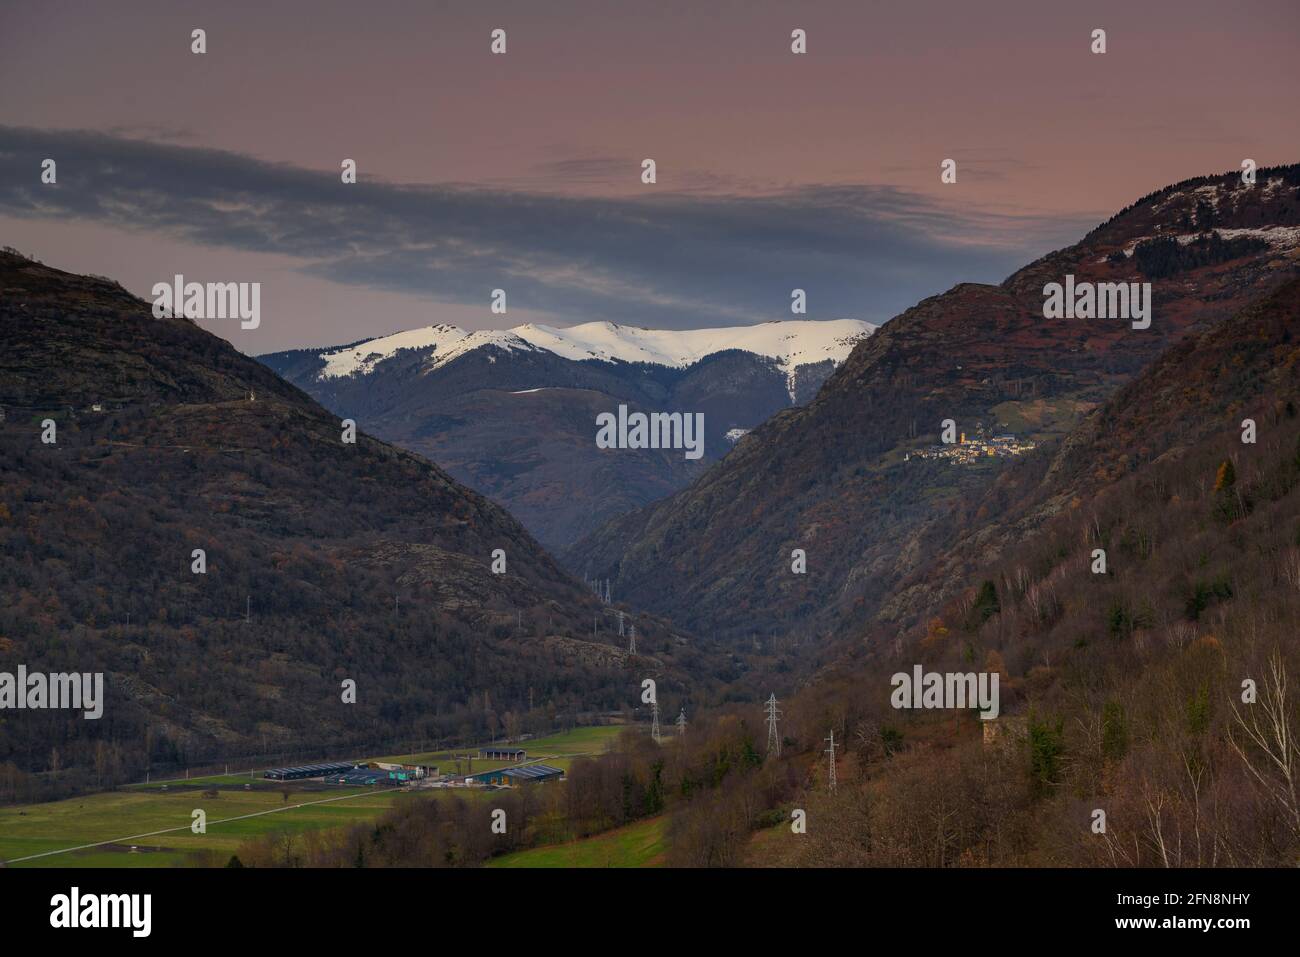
(841, 478)
(1125, 689)
(325, 561)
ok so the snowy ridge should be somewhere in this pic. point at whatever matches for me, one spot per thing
(792, 343)
(446, 341)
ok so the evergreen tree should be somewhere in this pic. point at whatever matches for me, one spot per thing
(986, 603)
(1046, 745)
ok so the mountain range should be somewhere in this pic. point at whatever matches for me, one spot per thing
(512, 413)
(327, 560)
(841, 477)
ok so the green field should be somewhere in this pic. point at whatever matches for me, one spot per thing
(557, 750)
(636, 845)
(130, 816)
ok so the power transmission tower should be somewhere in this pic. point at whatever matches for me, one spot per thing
(631, 647)
(831, 752)
(773, 739)
(654, 721)
(620, 624)
(681, 723)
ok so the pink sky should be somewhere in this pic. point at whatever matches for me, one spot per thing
(1037, 123)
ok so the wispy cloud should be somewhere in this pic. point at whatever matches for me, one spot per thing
(621, 175)
(980, 164)
(672, 259)
(154, 131)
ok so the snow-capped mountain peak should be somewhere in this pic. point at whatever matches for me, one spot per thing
(793, 343)
(446, 341)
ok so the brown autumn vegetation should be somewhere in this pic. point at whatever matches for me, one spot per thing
(1122, 691)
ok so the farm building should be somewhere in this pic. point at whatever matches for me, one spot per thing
(372, 776)
(412, 770)
(503, 754)
(513, 777)
(308, 771)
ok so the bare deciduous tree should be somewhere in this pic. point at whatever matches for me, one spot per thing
(1264, 739)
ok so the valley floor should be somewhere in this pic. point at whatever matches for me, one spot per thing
(148, 825)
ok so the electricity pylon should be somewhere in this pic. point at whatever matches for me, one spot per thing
(773, 739)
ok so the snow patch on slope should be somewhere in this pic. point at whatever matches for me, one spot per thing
(1278, 237)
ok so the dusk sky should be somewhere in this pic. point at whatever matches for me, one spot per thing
(522, 171)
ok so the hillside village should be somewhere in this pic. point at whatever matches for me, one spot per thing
(979, 448)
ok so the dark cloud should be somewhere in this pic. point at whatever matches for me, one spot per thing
(671, 259)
